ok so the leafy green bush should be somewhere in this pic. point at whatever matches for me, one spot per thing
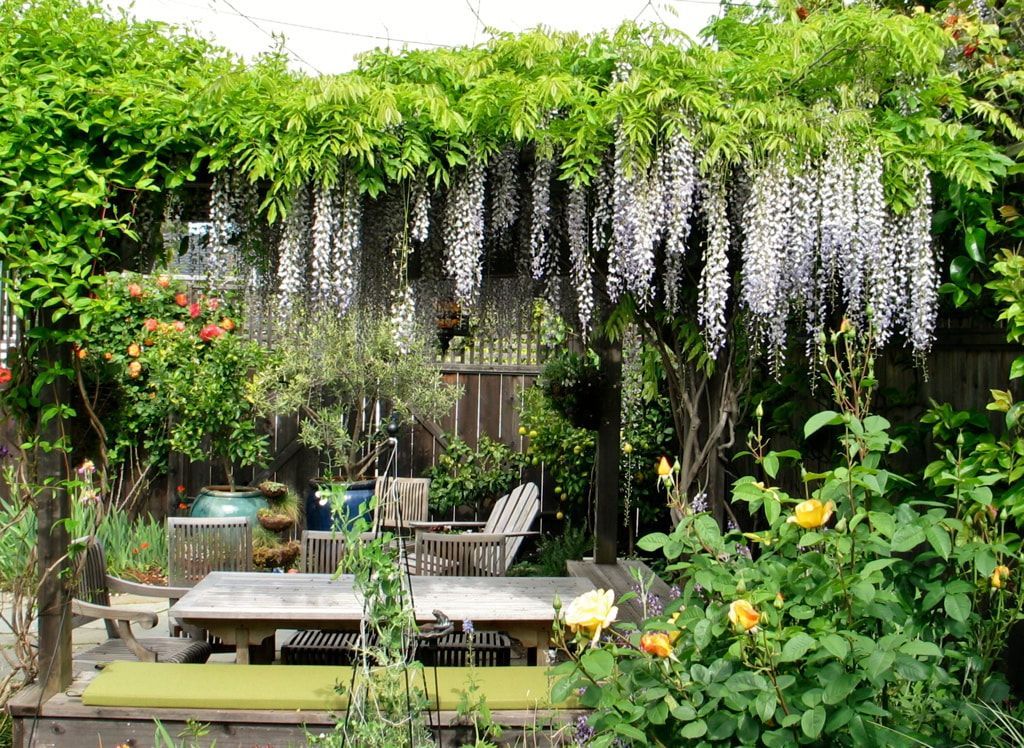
(572, 383)
(853, 620)
(466, 477)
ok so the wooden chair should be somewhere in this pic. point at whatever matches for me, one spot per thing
(322, 551)
(463, 555)
(400, 501)
(198, 545)
(92, 602)
(510, 518)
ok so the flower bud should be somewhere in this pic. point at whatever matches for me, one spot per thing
(759, 411)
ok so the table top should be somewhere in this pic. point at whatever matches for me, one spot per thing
(319, 598)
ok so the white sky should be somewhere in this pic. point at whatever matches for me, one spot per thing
(324, 35)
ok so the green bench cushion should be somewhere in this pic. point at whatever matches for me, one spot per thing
(297, 687)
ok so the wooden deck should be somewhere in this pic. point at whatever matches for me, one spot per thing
(619, 577)
(63, 721)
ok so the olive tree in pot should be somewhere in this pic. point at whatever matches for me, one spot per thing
(208, 379)
(339, 374)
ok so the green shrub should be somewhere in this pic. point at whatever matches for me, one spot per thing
(852, 620)
(466, 477)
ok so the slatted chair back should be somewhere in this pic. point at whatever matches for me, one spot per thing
(198, 545)
(462, 555)
(322, 551)
(91, 584)
(400, 500)
(514, 513)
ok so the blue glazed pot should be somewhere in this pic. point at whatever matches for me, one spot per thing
(319, 513)
(221, 501)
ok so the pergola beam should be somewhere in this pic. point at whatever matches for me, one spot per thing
(606, 504)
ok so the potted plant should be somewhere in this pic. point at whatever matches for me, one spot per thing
(206, 374)
(335, 373)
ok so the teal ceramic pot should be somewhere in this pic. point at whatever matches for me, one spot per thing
(220, 501)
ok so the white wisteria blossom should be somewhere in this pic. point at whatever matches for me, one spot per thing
(713, 296)
(867, 252)
(504, 179)
(838, 210)
(637, 216)
(403, 320)
(419, 220)
(464, 232)
(543, 262)
(923, 304)
(292, 253)
(347, 245)
(326, 225)
(679, 183)
(582, 266)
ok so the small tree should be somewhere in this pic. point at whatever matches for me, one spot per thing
(334, 372)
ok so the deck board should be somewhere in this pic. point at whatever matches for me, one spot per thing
(617, 577)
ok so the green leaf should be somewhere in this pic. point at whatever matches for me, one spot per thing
(958, 607)
(1017, 368)
(960, 269)
(598, 663)
(839, 688)
(765, 704)
(694, 730)
(974, 244)
(652, 542)
(796, 647)
(812, 721)
(939, 539)
(820, 420)
(907, 538)
(836, 645)
(920, 648)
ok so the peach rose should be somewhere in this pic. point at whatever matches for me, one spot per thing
(656, 644)
(743, 615)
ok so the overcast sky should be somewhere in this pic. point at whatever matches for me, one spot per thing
(324, 35)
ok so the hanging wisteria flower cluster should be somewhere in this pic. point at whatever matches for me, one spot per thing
(403, 320)
(504, 178)
(713, 295)
(337, 230)
(419, 220)
(543, 262)
(464, 233)
(230, 196)
(581, 266)
(818, 234)
(292, 261)
(679, 177)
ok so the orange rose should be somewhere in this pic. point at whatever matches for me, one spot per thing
(5, 375)
(134, 350)
(150, 324)
(107, 356)
(134, 369)
(134, 290)
(163, 281)
(227, 324)
(743, 615)
(82, 353)
(656, 644)
(181, 299)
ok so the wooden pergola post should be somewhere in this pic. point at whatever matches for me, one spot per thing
(606, 504)
(52, 546)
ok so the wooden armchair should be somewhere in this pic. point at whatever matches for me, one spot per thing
(92, 602)
(460, 555)
(510, 519)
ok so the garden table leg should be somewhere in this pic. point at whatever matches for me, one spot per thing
(242, 646)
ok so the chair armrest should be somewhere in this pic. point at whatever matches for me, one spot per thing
(525, 534)
(434, 525)
(116, 584)
(123, 621)
(91, 610)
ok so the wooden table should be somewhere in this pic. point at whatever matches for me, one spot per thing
(245, 608)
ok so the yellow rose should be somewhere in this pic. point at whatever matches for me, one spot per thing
(998, 575)
(657, 644)
(743, 615)
(664, 468)
(812, 513)
(675, 633)
(592, 612)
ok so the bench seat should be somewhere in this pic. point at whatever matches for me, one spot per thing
(299, 687)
